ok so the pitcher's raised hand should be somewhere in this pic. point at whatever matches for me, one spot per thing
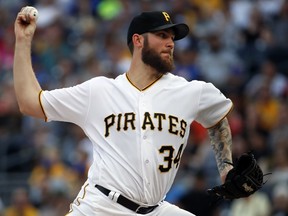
(25, 24)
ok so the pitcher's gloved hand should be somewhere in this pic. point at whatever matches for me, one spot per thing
(244, 179)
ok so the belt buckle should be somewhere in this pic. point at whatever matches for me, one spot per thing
(144, 209)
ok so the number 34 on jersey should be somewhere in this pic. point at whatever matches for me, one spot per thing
(155, 121)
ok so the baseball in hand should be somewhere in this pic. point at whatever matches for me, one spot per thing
(30, 13)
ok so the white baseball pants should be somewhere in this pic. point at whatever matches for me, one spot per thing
(92, 202)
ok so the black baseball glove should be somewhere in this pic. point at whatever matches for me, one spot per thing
(244, 179)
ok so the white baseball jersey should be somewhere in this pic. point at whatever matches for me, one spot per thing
(138, 136)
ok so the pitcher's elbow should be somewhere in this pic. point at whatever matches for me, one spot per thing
(23, 109)
(31, 109)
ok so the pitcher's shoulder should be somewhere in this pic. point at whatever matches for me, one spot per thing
(103, 80)
(175, 79)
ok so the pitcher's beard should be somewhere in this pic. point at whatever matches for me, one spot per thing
(153, 59)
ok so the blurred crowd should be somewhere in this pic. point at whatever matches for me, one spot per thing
(238, 45)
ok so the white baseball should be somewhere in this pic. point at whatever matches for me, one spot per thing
(30, 13)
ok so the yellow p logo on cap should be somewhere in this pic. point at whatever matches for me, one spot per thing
(166, 15)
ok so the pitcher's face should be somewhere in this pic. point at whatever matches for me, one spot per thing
(158, 50)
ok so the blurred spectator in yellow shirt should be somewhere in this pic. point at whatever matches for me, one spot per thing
(20, 204)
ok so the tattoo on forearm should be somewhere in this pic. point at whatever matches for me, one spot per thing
(221, 141)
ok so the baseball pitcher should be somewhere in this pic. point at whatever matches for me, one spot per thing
(138, 122)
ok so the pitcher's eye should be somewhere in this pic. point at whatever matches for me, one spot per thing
(165, 35)
(162, 35)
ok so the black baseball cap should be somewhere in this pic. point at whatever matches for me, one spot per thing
(155, 21)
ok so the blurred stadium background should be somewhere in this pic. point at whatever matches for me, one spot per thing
(239, 45)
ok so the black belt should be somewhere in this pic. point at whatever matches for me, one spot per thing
(126, 202)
